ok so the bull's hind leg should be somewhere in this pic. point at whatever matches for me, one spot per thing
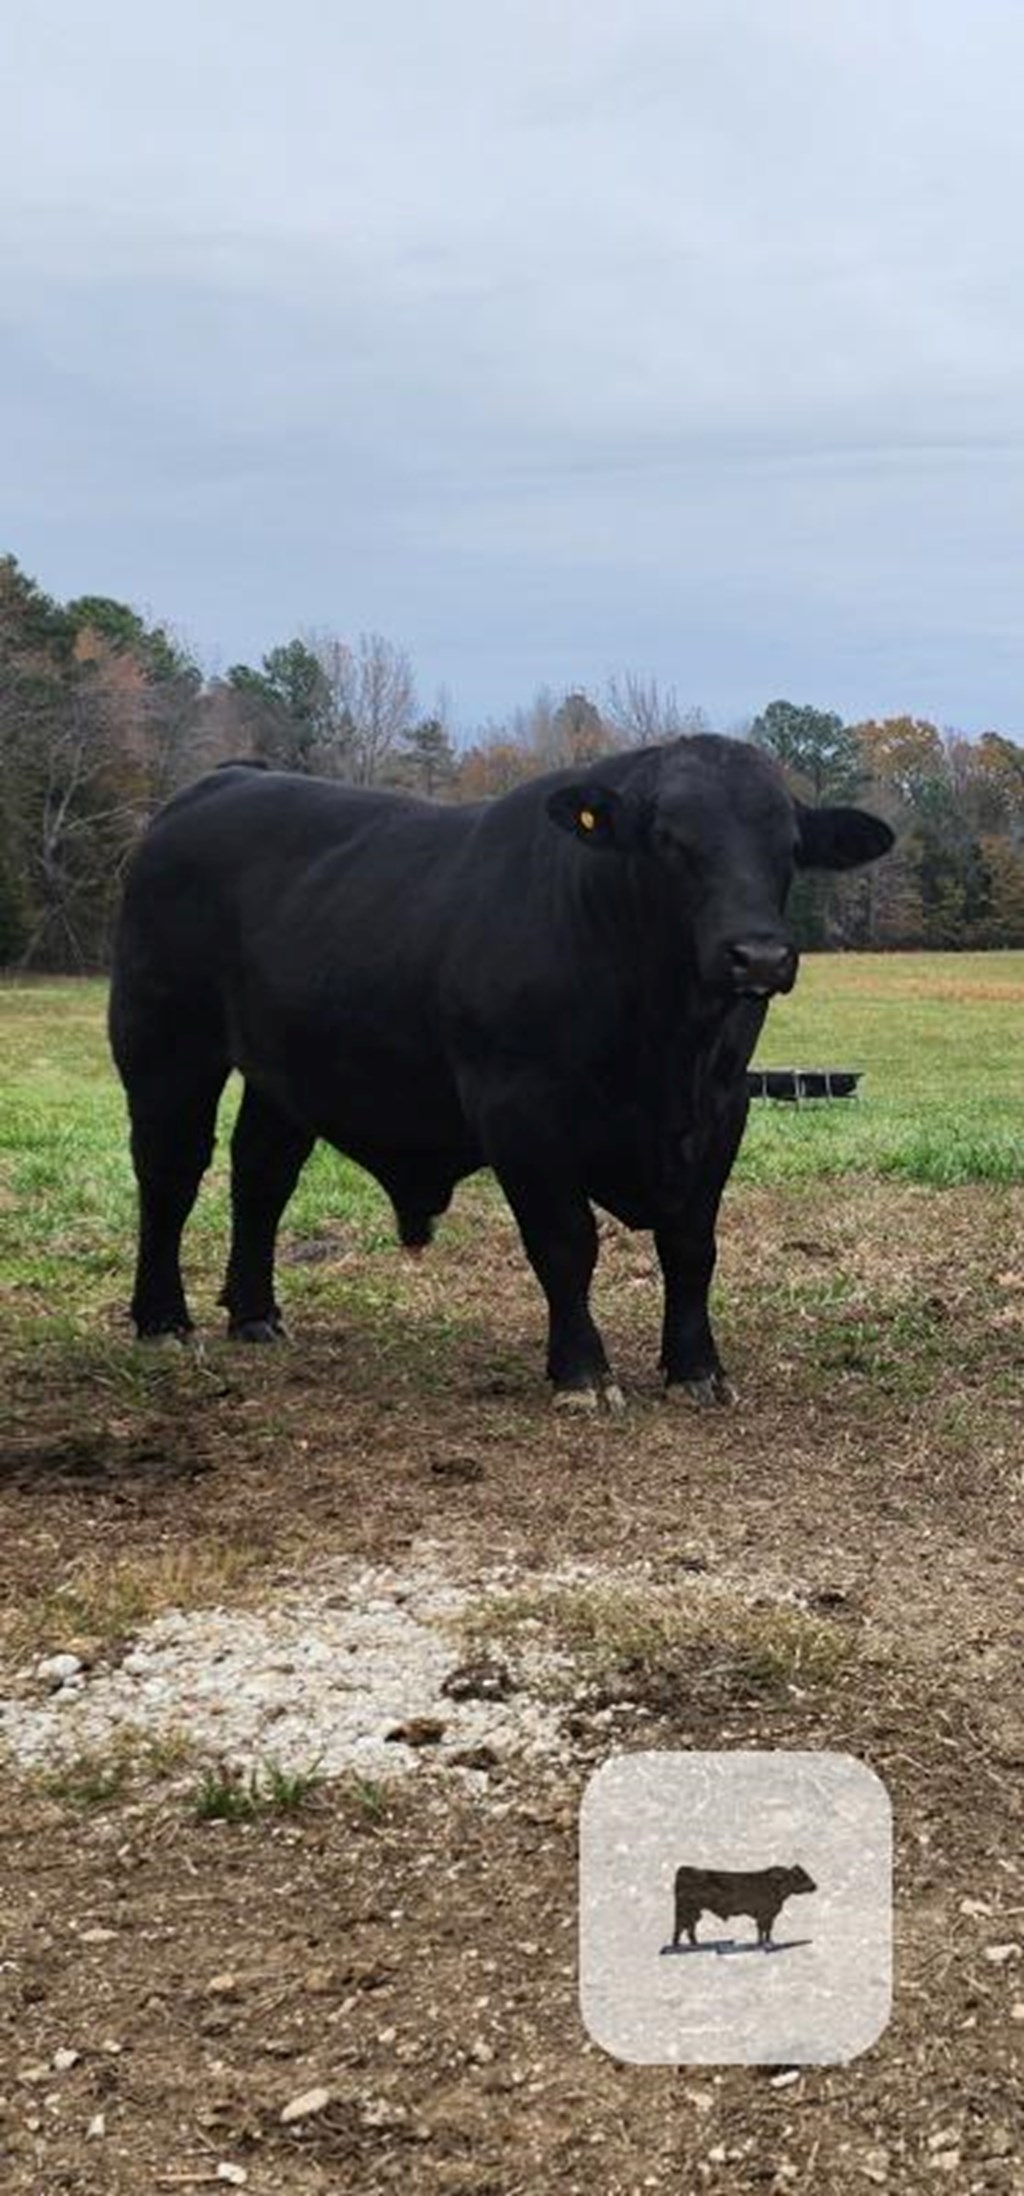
(268, 1153)
(173, 1108)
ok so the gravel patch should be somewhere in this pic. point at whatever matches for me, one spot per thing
(328, 1674)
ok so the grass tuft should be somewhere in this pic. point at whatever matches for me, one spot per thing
(99, 1775)
(372, 1800)
(92, 1779)
(229, 1794)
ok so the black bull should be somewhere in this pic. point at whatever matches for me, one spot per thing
(564, 985)
(725, 1892)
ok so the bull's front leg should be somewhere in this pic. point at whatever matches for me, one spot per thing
(687, 1251)
(560, 1239)
(693, 1369)
(559, 1234)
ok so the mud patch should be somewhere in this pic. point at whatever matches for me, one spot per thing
(99, 1458)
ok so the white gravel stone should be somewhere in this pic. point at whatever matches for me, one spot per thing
(305, 2107)
(57, 1669)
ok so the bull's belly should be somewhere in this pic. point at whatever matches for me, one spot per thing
(633, 1198)
(417, 1150)
(374, 1081)
(368, 1100)
(635, 1210)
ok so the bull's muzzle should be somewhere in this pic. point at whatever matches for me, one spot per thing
(761, 967)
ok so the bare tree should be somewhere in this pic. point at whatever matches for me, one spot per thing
(534, 730)
(642, 713)
(83, 787)
(335, 749)
(372, 704)
(175, 733)
(580, 729)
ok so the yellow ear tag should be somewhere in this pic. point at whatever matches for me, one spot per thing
(587, 819)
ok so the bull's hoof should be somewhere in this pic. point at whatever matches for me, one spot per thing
(575, 1399)
(714, 1392)
(608, 1393)
(257, 1330)
(162, 1338)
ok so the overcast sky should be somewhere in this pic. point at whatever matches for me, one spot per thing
(548, 337)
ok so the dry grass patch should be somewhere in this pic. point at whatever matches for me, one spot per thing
(608, 1626)
(101, 1605)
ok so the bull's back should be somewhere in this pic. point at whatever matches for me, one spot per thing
(296, 918)
(725, 1884)
(243, 851)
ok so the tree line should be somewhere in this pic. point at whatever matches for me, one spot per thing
(103, 714)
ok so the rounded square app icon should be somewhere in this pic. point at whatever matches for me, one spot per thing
(735, 1908)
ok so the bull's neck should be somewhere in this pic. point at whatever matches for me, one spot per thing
(642, 937)
(673, 1034)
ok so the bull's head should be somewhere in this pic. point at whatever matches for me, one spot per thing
(793, 1880)
(720, 836)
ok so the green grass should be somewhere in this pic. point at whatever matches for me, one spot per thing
(369, 1799)
(67, 1193)
(90, 1780)
(228, 1795)
(936, 1035)
(131, 1760)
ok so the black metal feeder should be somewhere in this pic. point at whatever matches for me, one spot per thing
(793, 1085)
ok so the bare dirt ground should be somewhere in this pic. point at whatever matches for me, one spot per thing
(168, 1984)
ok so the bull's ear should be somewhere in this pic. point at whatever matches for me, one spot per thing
(840, 838)
(598, 815)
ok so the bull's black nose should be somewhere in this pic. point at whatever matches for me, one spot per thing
(762, 965)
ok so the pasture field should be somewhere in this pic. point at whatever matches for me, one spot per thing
(836, 1564)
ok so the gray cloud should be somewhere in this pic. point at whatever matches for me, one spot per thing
(547, 340)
